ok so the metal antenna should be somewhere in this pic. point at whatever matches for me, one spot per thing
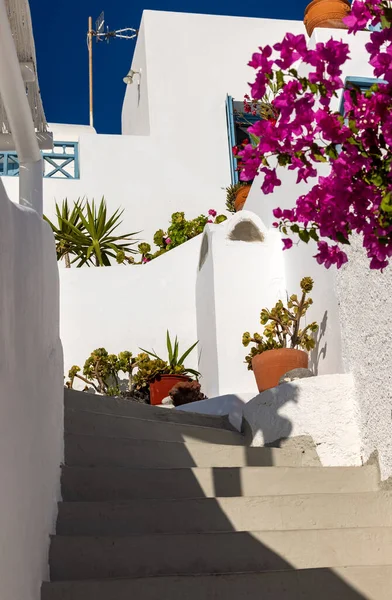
(127, 33)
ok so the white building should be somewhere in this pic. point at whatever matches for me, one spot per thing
(174, 154)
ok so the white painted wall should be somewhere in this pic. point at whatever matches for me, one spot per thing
(237, 279)
(31, 399)
(125, 307)
(365, 301)
(323, 408)
(176, 155)
(298, 262)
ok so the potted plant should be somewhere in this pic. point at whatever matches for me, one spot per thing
(231, 196)
(160, 375)
(278, 350)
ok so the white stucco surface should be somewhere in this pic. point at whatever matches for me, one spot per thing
(31, 399)
(365, 302)
(125, 307)
(323, 408)
(236, 280)
(174, 153)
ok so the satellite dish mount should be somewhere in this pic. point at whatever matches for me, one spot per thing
(102, 35)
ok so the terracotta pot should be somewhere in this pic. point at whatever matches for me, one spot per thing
(326, 14)
(241, 197)
(161, 386)
(269, 366)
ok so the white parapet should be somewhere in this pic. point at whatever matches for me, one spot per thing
(323, 408)
(239, 272)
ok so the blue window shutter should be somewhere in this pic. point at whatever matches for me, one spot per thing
(231, 138)
(363, 83)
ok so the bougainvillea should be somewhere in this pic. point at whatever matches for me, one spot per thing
(355, 194)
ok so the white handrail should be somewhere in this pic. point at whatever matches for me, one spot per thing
(13, 95)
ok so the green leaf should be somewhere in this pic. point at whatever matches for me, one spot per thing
(195, 373)
(255, 140)
(314, 235)
(304, 235)
(279, 79)
(169, 347)
(187, 353)
(341, 238)
(386, 203)
(150, 353)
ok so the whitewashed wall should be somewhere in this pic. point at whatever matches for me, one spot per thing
(365, 300)
(174, 153)
(31, 399)
(125, 307)
(237, 278)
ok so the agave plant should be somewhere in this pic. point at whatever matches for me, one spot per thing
(90, 235)
(66, 219)
(176, 363)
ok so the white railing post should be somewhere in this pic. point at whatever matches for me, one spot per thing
(13, 95)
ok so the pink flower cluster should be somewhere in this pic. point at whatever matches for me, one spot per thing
(356, 194)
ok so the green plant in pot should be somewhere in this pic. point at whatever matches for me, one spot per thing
(283, 346)
(161, 375)
(101, 371)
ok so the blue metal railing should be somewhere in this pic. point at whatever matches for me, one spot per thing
(62, 163)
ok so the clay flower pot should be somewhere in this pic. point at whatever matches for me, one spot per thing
(161, 386)
(241, 197)
(326, 14)
(269, 366)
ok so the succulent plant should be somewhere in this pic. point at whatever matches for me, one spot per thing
(282, 325)
(101, 371)
(149, 369)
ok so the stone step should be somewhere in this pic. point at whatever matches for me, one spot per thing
(91, 423)
(75, 558)
(128, 408)
(267, 513)
(117, 484)
(345, 583)
(90, 450)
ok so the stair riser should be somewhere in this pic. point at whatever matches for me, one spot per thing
(86, 450)
(120, 407)
(327, 511)
(73, 558)
(323, 584)
(80, 484)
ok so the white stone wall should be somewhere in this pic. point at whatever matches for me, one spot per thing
(365, 302)
(174, 153)
(31, 399)
(125, 307)
(323, 408)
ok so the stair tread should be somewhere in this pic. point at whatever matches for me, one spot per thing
(290, 512)
(121, 483)
(89, 450)
(84, 557)
(343, 583)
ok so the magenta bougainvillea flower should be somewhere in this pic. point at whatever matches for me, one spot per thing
(212, 212)
(355, 194)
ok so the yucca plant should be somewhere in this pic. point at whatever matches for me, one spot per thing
(176, 362)
(91, 238)
(66, 219)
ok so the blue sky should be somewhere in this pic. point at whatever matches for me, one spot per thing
(60, 37)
